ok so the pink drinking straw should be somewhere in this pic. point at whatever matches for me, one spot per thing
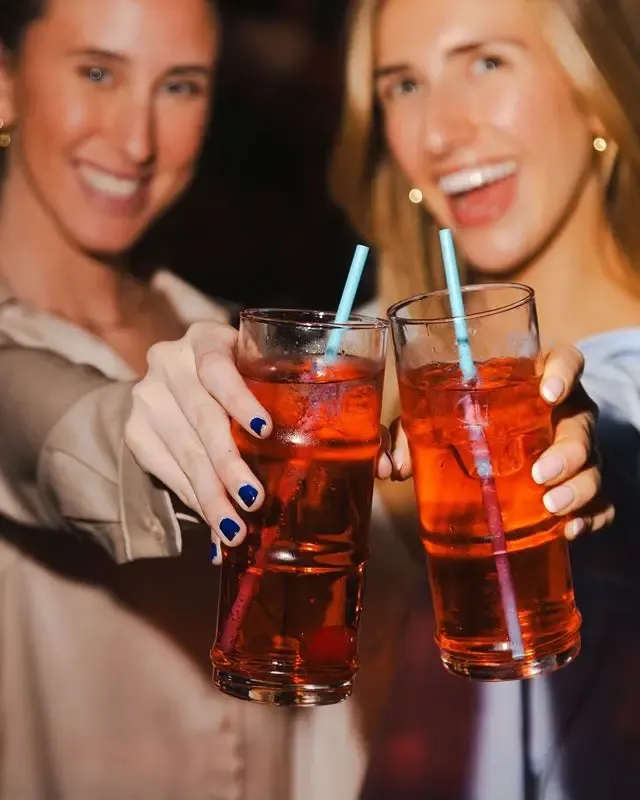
(287, 488)
(480, 449)
(294, 474)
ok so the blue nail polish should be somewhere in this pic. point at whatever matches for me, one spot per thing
(257, 425)
(229, 528)
(213, 552)
(248, 494)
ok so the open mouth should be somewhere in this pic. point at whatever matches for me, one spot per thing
(481, 195)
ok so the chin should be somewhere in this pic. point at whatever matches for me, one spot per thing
(106, 241)
(493, 253)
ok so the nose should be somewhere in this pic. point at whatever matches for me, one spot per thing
(448, 125)
(134, 126)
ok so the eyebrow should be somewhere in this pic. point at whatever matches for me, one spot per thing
(92, 52)
(455, 52)
(110, 55)
(392, 69)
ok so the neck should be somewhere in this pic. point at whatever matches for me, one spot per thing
(43, 267)
(579, 277)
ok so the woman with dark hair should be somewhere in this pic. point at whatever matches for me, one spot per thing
(105, 673)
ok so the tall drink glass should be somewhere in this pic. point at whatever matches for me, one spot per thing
(291, 594)
(495, 556)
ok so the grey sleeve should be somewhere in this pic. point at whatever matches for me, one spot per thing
(63, 457)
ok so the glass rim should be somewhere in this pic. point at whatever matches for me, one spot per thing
(278, 316)
(528, 296)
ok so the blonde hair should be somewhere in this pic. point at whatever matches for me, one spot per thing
(597, 42)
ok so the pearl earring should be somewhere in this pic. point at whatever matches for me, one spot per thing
(415, 196)
(600, 144)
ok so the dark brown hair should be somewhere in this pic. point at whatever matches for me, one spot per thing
(15, 18)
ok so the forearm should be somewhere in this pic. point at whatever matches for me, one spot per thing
(63, 460)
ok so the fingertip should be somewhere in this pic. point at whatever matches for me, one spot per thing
(231, 531)
(250, 496)
(560, 499)
(257, 426)
(552, 389)
(574, 528)
(385, 466)
(261, 426)
(536, 474)
(549, 467)
(402, 470)
(404, 475)
(398, 459)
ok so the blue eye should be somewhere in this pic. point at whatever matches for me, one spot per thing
(402, 88)
(487, 64)
(408, 87)
(96, 74)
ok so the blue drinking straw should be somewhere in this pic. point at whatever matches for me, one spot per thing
(346, 301)
(480, 449)
(452, 276)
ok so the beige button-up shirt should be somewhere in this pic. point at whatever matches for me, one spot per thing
(103, 682)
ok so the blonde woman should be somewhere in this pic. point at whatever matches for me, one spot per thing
(85, 176)
(514, 122)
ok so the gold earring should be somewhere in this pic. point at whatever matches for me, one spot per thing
(5, 136)
(600, 144)
(415, 196)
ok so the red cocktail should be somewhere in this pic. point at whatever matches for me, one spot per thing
(291, 593)
(504, 405)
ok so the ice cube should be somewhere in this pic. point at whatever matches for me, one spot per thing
(507, 457)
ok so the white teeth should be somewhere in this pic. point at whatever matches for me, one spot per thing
(467, 179)
(109, 184)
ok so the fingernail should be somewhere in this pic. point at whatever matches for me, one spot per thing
(574, 528)
(547, 468)
(552, 389)
(257, 425)
(397, 461)
(248, 494)
(558, 499)
(214, 553)
(229, 528)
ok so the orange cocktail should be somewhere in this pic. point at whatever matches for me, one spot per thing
(504, 407)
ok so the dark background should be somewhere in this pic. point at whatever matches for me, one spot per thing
(258, 226)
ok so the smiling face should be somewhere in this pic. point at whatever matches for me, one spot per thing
(110, 101)
(479, 116)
